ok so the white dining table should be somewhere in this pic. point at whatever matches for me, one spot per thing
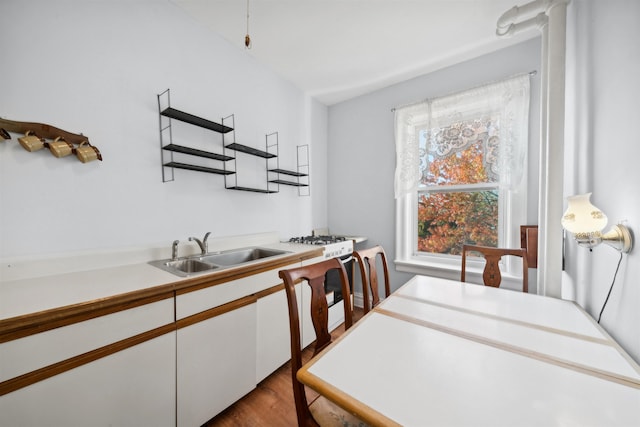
(439, 352)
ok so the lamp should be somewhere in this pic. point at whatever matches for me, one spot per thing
(586, 222)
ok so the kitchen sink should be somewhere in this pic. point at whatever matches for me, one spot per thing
(184, 267)
(198, 264)
(190, 265)
(240, 256)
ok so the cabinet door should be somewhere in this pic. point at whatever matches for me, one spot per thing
(216, 364)
(35, 352)
(134, 387)
(191, 303)
(273, 339)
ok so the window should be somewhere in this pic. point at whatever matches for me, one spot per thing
(461, 163)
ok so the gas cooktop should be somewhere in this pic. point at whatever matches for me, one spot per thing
(318, 240)
(334, 246)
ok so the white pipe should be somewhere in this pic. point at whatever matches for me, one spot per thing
(511, 16)
(552, 98)
(542, 168)
(536, 22)
(552, 260)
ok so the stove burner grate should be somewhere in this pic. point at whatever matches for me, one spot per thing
(317, 240)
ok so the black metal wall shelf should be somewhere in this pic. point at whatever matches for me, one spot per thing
(233, 145)
(195, 152)
(253, 190)
(302, 166)
(289, 173)
(272, 179)
(168, 148)
(250, 150)
(195, 120)
(291, 183)
(197, 168)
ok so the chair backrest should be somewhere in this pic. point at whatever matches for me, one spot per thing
(491, 275)
(314, 275)
(367, 259)
(529, 241)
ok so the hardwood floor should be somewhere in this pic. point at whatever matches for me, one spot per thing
(271, 402)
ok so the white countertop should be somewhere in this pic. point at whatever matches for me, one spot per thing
(34, 285)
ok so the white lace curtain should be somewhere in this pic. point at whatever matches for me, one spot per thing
(506, 101)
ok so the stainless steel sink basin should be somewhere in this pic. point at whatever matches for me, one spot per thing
(184, 267)
(190, 265)
(240, 256)
(198, 264)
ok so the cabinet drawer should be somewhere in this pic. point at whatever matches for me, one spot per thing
(39, 350)
(134, 387)
(215, 295)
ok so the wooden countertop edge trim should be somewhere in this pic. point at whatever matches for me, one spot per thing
(228, 274)
(216, 311)
(49, 371)
(29, 324)
(43, 373)
(269, 291)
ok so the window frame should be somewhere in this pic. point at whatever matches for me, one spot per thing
(512, 212)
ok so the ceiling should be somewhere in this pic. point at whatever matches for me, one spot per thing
(335, 50)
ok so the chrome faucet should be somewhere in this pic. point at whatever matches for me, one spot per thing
(174, 250)
(205, 241)
(204, 245)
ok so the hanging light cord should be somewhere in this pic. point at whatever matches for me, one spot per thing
(614, 281)
(247, 38)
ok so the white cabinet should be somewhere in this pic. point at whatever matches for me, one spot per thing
(37, 351)
(179, 360)
(272, 339)
(102, 371)
(190, 303)
(123, 389)
(273, 336)
(216, 364)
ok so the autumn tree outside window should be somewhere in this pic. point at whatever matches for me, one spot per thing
(461, 163)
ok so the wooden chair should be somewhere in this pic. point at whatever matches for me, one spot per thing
(320, 412)
(491, 275)
(529, 241)
(367, 259)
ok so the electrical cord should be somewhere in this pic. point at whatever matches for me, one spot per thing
(614, 281)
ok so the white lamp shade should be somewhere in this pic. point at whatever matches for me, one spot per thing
(582, 217)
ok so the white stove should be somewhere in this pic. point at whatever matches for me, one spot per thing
(340, 247)
(334, 246)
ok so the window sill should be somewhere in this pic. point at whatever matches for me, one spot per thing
(452, 272)
(429, 269)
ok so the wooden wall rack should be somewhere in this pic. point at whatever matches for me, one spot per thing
(45, 132)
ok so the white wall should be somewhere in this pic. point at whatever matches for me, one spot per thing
(96, 68)
(362, 151)
(601, 155)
